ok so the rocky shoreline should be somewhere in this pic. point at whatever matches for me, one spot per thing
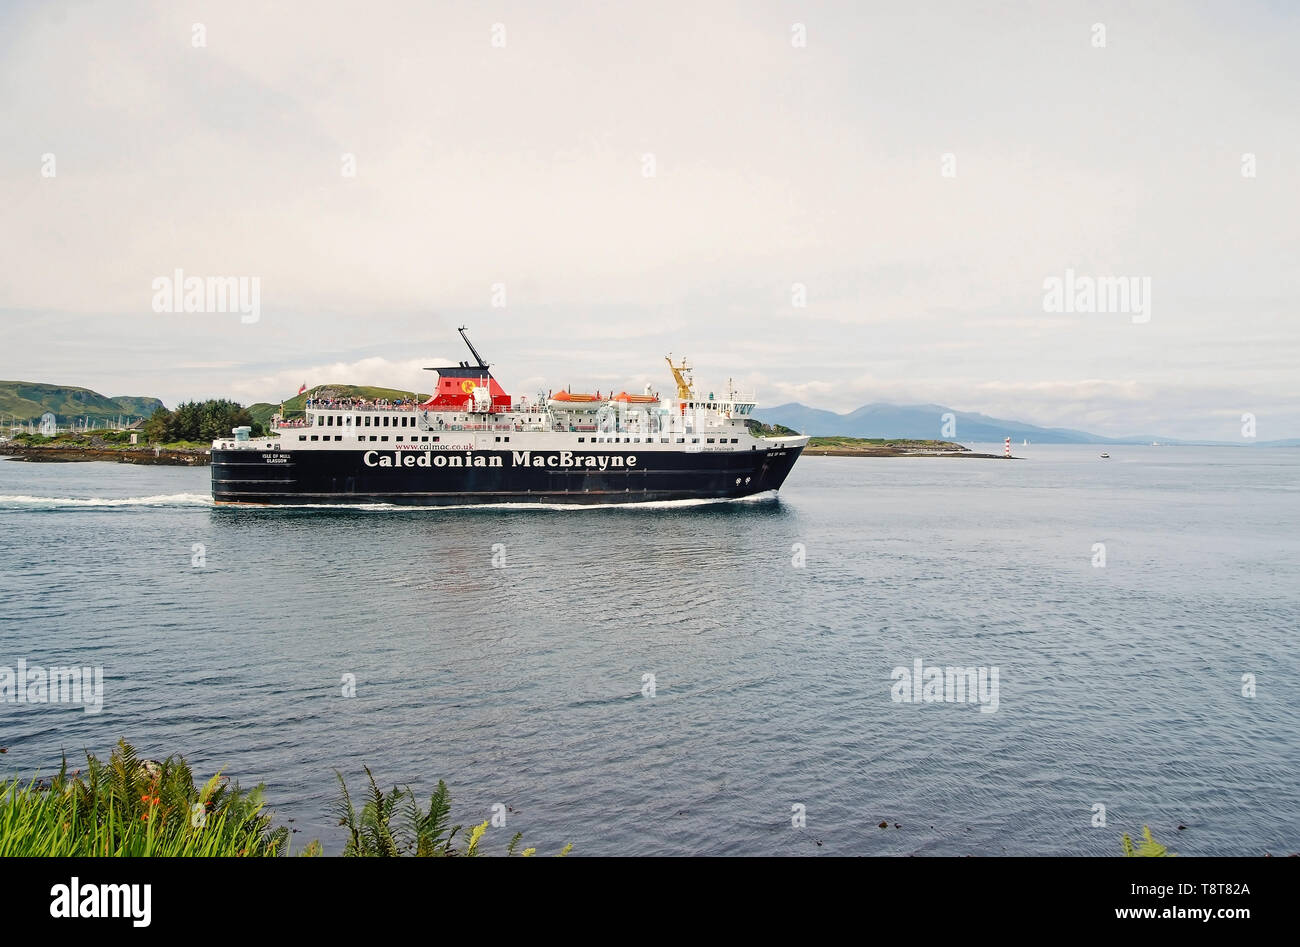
(158, 456)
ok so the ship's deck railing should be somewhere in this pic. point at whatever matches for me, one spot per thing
(700, 401)
(354, 428)
(346, 405)
(637, 416)
(262, 443)
(736, 397)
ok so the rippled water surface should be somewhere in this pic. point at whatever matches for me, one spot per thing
(522, 685)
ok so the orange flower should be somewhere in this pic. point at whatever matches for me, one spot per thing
(144, 817)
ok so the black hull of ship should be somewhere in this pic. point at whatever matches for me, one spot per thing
(245, 477)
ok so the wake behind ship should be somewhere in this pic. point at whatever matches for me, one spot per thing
(472, 443)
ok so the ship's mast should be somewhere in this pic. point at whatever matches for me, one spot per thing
(479, 358)
(685, 390)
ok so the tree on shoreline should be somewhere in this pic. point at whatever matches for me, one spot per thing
(199, 421)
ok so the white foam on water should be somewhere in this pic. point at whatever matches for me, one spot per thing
(168, 499)
(764, 497)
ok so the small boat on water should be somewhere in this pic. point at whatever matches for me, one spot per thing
(1105, 456)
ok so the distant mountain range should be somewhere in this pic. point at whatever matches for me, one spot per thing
(927, 421)
(29, 400)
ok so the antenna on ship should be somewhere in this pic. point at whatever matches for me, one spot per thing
(481, 363)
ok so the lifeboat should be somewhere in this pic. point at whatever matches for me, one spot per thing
(625, 398)
(577, 401)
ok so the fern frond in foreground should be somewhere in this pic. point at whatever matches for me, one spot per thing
(134, 807)
(1149, 848)
(393, 824)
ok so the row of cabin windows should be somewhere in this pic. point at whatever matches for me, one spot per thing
(363, 420)
(738, 408)
(423, 439)
(595, 440)
(651, 440)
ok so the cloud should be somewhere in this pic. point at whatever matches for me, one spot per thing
(402, 375)
(521, 170)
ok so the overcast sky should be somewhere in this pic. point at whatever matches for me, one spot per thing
(775, 164)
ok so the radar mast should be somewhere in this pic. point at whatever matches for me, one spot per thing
(682, 372)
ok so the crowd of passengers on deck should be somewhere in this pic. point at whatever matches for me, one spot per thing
(376, 404)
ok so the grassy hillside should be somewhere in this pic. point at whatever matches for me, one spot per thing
(28, 400)
(141, 407)
(262, 411)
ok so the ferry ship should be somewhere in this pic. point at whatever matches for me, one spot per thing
(472, 443)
